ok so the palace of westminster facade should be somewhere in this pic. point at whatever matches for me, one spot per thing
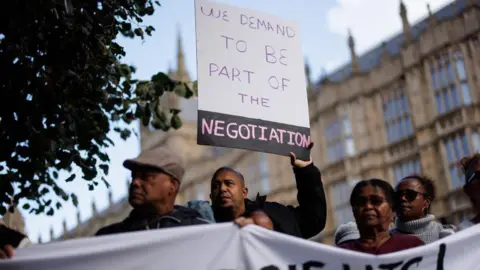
(410, 105)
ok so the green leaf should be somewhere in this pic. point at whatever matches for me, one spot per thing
(50, 212)
(26, 206)
(70, 178)
(138, 32)
(149, 30)
(104, 168)
(74, 199)
(176, 122)
(146, 116)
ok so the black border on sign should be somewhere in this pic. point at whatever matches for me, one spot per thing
(278, 147)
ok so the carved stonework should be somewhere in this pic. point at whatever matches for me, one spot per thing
(15, 220)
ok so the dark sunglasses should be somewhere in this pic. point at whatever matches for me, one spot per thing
(409, 194)
(373, 199)
(473, 177)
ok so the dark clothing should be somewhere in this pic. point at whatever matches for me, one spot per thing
(180, 216)
(306, 220)
(397, 242)
(12, 237)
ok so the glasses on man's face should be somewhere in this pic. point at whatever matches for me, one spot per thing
(374, 200)
(409, 194)
(473, 177)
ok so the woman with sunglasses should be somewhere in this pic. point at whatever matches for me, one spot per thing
(373, 207)
(413, 197)
(471, 168)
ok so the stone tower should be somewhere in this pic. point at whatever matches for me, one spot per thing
(15, 221)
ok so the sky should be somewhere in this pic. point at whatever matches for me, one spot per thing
(324, 28)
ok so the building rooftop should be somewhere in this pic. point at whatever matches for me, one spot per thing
(371, 59)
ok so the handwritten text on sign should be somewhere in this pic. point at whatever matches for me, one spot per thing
(272, 56)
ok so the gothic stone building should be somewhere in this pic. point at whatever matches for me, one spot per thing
(410, 105)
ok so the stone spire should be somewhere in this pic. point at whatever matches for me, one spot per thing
(308, 75)
(471, 3)
(407, 30)
(52, 235)
(353, 54)
(385, 53)
(431, 18)
(94, 208)
(79, 220)
(64, 225)
(110, 197)
(182, 73)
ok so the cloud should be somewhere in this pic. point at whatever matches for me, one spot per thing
(373, 21)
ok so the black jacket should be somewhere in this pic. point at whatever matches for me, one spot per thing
(306, 220)
(181, 216)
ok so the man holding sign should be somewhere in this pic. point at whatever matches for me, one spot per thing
(230, 203)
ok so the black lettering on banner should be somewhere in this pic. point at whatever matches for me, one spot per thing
(441, 256)
(390, 266)
(310, 265)
(269, 267)
(409, 263)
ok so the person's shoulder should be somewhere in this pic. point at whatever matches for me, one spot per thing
(349, 244)
(203, 208)
(110, 229)
(189, 215)
(408, 240)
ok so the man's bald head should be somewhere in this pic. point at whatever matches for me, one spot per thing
(229, 169)
(228, 191)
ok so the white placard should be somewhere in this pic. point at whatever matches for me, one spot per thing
(250, 64)
(243, 55)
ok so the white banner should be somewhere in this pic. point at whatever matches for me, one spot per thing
(224, 246)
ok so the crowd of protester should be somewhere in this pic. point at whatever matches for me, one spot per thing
(387, 219)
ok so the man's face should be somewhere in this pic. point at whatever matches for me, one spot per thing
(150, 188)
(228, 190)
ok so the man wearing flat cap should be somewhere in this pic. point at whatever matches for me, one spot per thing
(156, 178)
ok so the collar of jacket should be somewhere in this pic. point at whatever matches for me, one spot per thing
(251, 206)
(137, 220)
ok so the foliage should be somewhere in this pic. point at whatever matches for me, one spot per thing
(63, 84)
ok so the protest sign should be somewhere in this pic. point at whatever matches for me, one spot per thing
(225, 246)
(251, 81)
